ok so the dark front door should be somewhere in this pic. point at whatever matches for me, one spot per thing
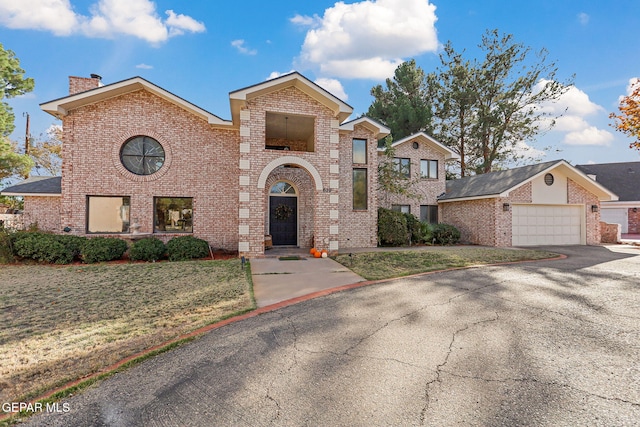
(283, 220)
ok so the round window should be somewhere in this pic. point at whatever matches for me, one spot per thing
(415, 145)
(142, 155)
(548, 179)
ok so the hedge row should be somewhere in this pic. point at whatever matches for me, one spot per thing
(64, 248)
(399, 229)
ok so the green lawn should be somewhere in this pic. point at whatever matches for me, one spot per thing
(385, 265)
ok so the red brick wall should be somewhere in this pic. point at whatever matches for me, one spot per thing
(578, 195)
(610, 233)
(43, 211)
(634, 221)
(201, 162)
(254, 160)
(358, 228)
(82, 84)
(427, 190)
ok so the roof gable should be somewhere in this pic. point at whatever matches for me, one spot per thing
(62, 106)
(239, 98)
(429, 140)
(621, 178)
(501, 183)
(379, 130)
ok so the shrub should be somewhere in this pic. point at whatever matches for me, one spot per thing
(445, 234)
(148, 249)
(392, 228)
(42, 247)
(187, 247)
(100, 249)
(6, 247)
(72, 243)
(426, 232)
(413, 228)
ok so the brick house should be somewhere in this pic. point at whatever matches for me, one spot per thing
(551, 203)
(287, 169)
(621, 178)
(139, 159)
(420, 159)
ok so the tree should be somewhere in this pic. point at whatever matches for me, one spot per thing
(628, 121)
(12, 83)
(454, 111)
(12, 163)
(403, 106)
(489, 107)
(46, 151)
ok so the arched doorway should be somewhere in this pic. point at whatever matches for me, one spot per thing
(283, 214)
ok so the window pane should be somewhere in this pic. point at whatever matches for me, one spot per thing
(403, 167)
(429, 213)
(108, 214)
(360, 151)
(142, 155)
(359, 189)
(429, 168)
(173, 214)
(433, 169)
(401, 208)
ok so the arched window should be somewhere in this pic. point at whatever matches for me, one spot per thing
(282, 189)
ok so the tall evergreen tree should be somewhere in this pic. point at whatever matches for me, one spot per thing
(403, 106)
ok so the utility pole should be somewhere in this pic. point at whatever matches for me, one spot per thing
(27, 141)
(27, 136)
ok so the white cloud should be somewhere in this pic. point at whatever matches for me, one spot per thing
(574, 110)
(583, 18)
(144, 66)
(56, 16)
(589, 136)
(367, 39)
(108, 18)
(179, 23)
(242, 48)
(276, 74)
(332, 86)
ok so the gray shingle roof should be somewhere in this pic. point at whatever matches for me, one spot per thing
(36, 185)
(493, 183)
(621, 178)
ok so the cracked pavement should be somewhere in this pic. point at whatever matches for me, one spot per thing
(550, 343)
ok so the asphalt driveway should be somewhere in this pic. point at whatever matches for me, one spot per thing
(554, 343)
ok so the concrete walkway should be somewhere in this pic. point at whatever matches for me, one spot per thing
(277, 279)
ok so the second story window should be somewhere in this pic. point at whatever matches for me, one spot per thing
(360, 151)
(429, 169)
(403, 167)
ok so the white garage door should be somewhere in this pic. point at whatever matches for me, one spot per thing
(616, 216)
(547, 225)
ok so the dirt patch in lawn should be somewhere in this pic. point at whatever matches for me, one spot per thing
(62, 323)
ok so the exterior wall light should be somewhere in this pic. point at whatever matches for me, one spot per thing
(506, 207)
(594, 208)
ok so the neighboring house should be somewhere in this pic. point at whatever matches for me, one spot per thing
(550, 203)
(624, 180)
(139, 158)
(41, 207)
(421, 160)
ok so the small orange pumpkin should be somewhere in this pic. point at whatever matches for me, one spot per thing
(317, 254)
(313, 251)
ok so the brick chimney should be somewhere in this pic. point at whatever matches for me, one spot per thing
(82, 84)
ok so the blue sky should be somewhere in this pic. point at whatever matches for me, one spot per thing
(202, 50)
